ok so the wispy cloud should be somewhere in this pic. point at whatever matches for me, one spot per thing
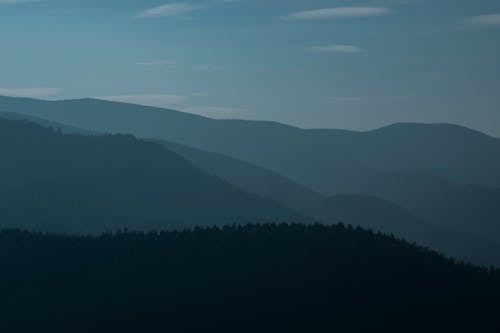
(8, 2)
(209, 67)
(200, 94)
(157, 63)
(370, 99)
(339, 48)
(30, 92)
(226, 1)
(157, 100)
(344, 100)
(171, 9)
(483, 21)
(339, 13)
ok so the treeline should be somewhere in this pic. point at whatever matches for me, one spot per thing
(240, 278)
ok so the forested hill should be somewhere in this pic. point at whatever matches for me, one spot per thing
(73, 183)
(329, 161)
(252, 278)
(429, 210)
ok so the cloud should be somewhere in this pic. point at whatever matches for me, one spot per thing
(157, 100)
(403, 2)
(483, 21)
(171, 9)
(209, 67)
(9, 2)
(344, 99)
(156, 63)
(216, 111)
(372, 99)
(200, 94)
(339, 48)
(339, 13)
(30, 92)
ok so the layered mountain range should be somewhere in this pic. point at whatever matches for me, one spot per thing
(435, 184)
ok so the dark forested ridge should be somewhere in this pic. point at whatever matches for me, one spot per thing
(239, 278)
(252, 278)
(460, 221)
(420, 208)
(74, 183)
(412, 165)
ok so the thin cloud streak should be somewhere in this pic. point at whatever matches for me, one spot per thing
(339, 13)
(156, 63)
(171, 9)
(30, 92)
(483, 21)
(11, 2)
(339, 48)
(209, 67)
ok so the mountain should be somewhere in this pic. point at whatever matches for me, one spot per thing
(75, 183)
(374, 213)
(441, 234)
(237, 172)
(360, 210)
(252, 278)
(253, 178)
(66, 129)
(415, 212)
(471, 209)
(327, 161)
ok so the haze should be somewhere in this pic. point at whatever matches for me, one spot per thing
(309, 63)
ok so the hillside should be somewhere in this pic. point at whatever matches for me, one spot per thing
(253, 178)
(328, 161)
(441, 233)
(471, 209)
(74, 183)
(417, 209)
(266, 278)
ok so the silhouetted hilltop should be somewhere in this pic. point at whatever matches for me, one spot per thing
(328, 161)
(415, 206)
(439, 233)
(73, 183)
(253, 178)
(265, 278)
(66, 129)
(372, 212)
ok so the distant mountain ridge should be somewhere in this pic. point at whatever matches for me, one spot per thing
(364, 210)
(74, 183)
(327, 161)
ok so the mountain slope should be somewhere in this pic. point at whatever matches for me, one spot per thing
(253, 178)
(253, 278)
(424, 219)
(75, 183)
(471, 209)
(440, 233)
(328, 161)
(66, 129)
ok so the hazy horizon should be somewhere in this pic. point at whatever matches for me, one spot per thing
(355, 65)
(249, 166)
(243, 119)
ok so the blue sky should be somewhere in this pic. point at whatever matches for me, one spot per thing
(312, 63)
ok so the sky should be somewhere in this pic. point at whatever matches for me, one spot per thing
(310, 63)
